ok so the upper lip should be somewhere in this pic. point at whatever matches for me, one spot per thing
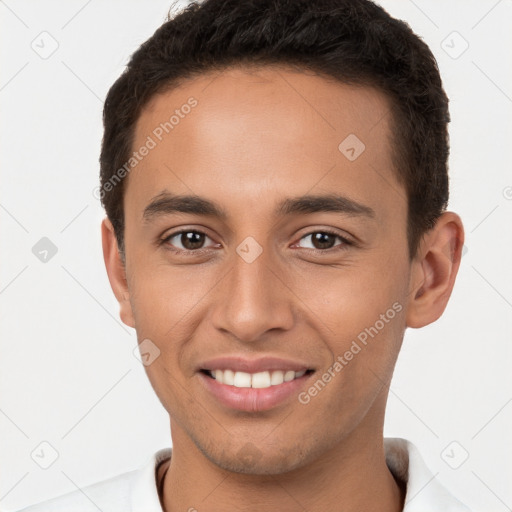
(261, 364)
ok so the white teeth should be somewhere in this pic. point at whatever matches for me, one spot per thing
(242, 380)
(289, 375)
(277, 378)
(229, 377)
(260, 380)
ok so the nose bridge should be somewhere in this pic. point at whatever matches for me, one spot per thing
(252, 297)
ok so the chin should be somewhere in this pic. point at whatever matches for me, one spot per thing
(249, 459)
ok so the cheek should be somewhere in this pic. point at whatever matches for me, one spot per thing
(168, 306)
(163, 297)
(160, 311)
(364, 341)
(361, 314)
(344, 301)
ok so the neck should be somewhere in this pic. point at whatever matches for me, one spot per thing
(352, 476)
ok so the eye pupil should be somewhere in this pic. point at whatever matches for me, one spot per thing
(192, 240)
(323, 240)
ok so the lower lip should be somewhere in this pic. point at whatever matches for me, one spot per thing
(253, 399)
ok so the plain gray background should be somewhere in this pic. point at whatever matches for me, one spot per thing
(68, 374)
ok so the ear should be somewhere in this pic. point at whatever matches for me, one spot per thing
(434, 269)
(116, 272)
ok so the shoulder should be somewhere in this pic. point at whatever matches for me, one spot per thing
(133, 490)
(112, 494)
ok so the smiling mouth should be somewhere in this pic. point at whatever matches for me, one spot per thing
(259, 380)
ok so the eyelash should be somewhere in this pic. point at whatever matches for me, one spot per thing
(343, 246)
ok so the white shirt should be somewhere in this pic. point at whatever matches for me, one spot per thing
(136, 491)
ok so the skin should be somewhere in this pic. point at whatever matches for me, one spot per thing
(258, 136)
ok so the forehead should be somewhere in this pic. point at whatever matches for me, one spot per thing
(244, 132)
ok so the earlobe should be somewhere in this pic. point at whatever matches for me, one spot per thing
(116, 272)
(434, 270)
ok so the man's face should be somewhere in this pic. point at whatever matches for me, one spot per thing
(304, 284)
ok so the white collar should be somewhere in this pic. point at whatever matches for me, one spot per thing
(144, 495)
(424, 492)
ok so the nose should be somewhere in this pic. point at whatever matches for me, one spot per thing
(253, 298)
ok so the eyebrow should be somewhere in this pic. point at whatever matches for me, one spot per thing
(166, 203)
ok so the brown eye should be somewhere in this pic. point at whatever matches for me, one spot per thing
(186, 240)
(192, 240)
(324, 240)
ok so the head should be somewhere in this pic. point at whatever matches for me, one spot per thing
(304, 147)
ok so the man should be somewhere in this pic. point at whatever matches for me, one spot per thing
(275, 181)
